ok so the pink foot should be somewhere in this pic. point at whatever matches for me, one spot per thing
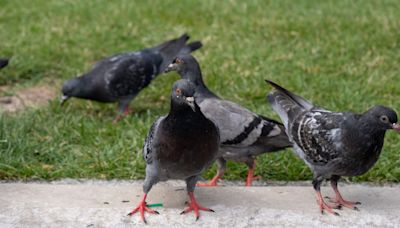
(212, 183)
(194, 206)
(340, 202)
(324, 206)
(142, 208)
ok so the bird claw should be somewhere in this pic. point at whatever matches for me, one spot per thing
(334, 213)
(209, 184)
(338, 207)
(343, 203)
(194, 206)
(324, 206)
(142, 208)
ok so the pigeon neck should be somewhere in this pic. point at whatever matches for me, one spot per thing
(367, 125)
(180, 109)
(84, 89)
(197, 79)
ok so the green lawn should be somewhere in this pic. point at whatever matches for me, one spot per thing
(342, 55)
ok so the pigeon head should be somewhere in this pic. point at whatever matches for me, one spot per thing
(183, 94)
(71, 88)
(384, 118)
(182, 64)
(187, 67)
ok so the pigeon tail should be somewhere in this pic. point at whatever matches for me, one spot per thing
(286, 104)
(166, 43)
(297, 99)
(170, 49)
(270, 120)
(191, 47)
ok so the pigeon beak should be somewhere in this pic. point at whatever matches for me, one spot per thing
(190, 102)
(64, 98)
(396, 127)
(170, 67)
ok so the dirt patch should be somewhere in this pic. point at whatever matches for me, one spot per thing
(30, 97)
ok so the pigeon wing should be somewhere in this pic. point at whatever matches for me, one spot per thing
(237, 125)
(132, 72)
(318, 134)
(150, 140)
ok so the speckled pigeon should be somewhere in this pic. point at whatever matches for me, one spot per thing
(121, 77)
(181, 145)
(3, 62)
(333, 144)
(244, 134)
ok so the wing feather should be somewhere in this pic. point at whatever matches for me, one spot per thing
(148, 148)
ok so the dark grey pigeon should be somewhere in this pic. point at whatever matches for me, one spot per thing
(333, 144)
(121, 77)
(3, 62)
(244, 134)
(181, 145)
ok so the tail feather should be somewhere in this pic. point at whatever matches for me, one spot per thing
(270, 120)
(286, 104)
(170, 49)
(275, 137)
(191, 47)
(184, 37)
(297, 99)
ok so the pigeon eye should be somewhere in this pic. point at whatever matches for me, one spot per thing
(178, 91)
(178, 61)
(384, 119)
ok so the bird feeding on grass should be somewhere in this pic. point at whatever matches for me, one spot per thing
(333, 144)
(121, 77)
(181, 145)
(244, 134)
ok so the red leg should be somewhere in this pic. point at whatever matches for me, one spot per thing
(194, 206)
(127, 111)
(250, 175)
(120, 116)
(339, 199)
(142, 208)
(323, 206)
(212, 183)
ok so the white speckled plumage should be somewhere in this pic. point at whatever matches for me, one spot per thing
(332, 144)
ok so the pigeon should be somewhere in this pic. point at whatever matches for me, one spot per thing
(333, 144)
(121, 77)
(3, 62)
(181, 145)
(244, 134)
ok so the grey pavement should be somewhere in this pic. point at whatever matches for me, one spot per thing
(106, 204)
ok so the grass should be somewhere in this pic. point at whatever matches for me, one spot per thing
(342, 55)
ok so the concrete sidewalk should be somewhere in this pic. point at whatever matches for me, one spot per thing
(105, 204)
